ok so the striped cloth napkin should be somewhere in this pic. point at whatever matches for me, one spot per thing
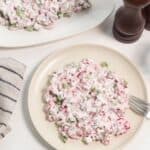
(11, 81)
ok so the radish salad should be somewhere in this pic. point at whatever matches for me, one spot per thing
(87, 102)
(36, 14)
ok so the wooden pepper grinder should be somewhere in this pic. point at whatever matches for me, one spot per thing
(129, 21)
(147, 14)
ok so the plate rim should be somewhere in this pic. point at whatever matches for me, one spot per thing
(52, 54)
(12, 47)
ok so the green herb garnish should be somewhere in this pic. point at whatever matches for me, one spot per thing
(66, 85)
(60, 14)
(104, 64)
(70, 121)
(63, 138)
(66, 15)
(12, 25)
(93, 89)
(30, 28)
(126, 83)
(59, 100)
(39, 2)
(115, 85)
(20, 12)
(84, 141)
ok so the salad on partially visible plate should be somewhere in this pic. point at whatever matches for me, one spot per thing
(36, 14)
(49, 20)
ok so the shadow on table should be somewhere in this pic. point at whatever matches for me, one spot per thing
(143, 57)
(27, 116)
(107, 25)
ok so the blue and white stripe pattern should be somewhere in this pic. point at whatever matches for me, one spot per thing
(11, 80)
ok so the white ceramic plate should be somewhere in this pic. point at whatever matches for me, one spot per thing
(66, 27)
(117, 62)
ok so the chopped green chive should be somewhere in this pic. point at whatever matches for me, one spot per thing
(104, 64)
(13, 25)
(20, 12)
(93, 89)
(115, 85)
(66, 85)
(30, 28)
(59, 14)
(70, 121)
(66, 15)
(59, 100)
(63, 138)
(84, 141)
(125, 82)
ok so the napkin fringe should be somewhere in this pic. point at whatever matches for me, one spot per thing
(4, 130)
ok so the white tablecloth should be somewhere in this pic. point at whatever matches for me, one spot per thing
(23, 135)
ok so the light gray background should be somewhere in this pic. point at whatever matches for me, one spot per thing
(23, 135)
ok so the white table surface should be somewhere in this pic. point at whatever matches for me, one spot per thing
(23, 135)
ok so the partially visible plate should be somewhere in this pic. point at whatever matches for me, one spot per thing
(66, 27)
(117, 62)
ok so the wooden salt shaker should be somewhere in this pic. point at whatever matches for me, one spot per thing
(147, 14)
(129, 21)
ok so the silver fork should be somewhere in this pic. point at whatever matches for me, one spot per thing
(139, 106)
